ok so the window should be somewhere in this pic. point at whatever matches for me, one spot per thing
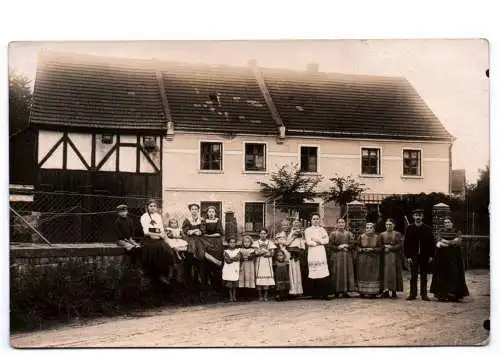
(309, 159)
(211, 156)
(205, 204)
(370, 161)
(254, 216)
(255, 156)
(411, 162)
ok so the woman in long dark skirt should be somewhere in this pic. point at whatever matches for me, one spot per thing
(157, 258)
(448, 280)
(341, 261)
(369, 262)
(213, 239)
(391, 260)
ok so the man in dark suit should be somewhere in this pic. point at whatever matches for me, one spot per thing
(418, 249)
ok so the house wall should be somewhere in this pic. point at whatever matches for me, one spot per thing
(129, 159)
(184, 182)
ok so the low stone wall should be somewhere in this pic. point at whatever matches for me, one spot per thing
(67, 281)
(64, 281)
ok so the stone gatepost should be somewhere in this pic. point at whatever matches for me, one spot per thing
(356, 218)
(439, 211)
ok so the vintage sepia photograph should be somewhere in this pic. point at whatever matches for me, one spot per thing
(280, 193)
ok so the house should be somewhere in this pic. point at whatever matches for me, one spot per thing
(229, 135)
(221, 129)
(99, 125)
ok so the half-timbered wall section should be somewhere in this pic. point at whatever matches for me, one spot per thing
(99, 152)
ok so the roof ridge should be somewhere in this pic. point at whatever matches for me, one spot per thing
(161, 63)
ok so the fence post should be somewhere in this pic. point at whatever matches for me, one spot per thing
(473, 223)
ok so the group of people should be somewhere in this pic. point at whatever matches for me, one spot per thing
(300, 262)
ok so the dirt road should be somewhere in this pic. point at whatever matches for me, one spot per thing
(339, 322)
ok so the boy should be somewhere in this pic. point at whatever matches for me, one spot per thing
(125, 230)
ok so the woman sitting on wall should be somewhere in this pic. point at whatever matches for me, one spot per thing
(157, 257)
(204, 247)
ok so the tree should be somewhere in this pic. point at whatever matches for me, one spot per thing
(290, 187)
(21, 137)
(344, 190)
(20, 97)
(478, 201)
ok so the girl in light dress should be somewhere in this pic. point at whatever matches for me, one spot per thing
(231, 268)
(247, 266)
(174, 239)
(264, 275)
(296, 245)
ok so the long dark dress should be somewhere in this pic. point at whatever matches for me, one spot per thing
(282, 276)
(369, 265)
(157, 258)
(341, 262)
(213, 244)
(194, 248)
(448, 280)
(392, 262)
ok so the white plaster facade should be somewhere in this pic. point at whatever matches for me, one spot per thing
(184, 182)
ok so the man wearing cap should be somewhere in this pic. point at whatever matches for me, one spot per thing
(418, 249)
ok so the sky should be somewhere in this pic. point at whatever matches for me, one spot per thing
(448, 74)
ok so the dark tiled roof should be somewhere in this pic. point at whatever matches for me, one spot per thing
(88, 91)
(216, 98)
(351, 105)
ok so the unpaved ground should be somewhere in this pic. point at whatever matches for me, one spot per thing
(348, 322)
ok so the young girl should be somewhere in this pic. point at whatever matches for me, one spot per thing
(231, 268)
(174, 239)
(264, 249)
(296, 246)
(282, 275)
(247, 266)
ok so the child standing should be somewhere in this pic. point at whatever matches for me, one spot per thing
(247, 266)
(231, 268)
(264, 275)
(174, 239)
(296, 246)
(282, 276)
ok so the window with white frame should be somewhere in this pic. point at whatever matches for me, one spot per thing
(309, 159)
(412, 162)
(254, 216)
(370, 161)
(211, 156)
(255, 157)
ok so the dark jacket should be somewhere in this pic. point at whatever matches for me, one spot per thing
(419, 239)
(125, 228)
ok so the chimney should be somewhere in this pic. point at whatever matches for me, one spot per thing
(312, 68)
(252, 63)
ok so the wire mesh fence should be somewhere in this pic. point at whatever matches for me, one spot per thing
(61, 217)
